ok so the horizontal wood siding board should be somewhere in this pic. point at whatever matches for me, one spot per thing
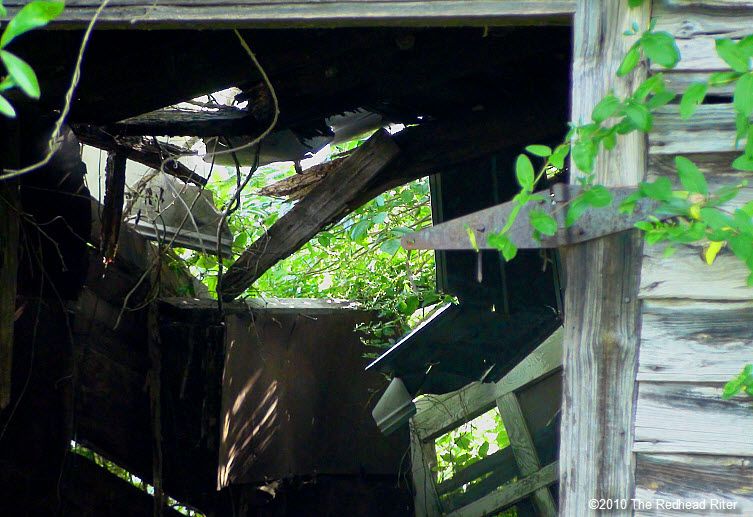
(710, 130)
(678, 82)
(546, 359)
(509, 494)
(670, 477)
(437, 414)
(717, 167)
(146, 14)
(692, 418)
(691, 20)
(686, 275)
(690, 341)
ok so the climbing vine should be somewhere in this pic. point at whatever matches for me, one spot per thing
(693, 213)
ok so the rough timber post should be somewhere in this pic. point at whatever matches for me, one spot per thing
(601, 306)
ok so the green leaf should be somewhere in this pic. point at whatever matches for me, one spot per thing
(33, 15)
(743, 163)
(524, 172)
(732, 388)
(743, 97)
(503, 243)
(690, 176)
(630, 61)
(661, 48)
(660, 99)
(732, 55)
(597, 196)
(472, 238)
(715, 218)
(574, 212)
(584, 154)
(390, 246)
(558, 156)
(543, 222)
(692, 98)
(6, 108)
(606, 107)
(635, 3)
(661, 189)
(722, 78)
(22, 73)
(539, 150)
(639, 115)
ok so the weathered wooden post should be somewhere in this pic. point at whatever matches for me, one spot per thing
(601, 305)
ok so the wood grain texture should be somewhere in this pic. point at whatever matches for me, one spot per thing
(423, 462)
(325, 202)
(690, 20)
(670, 477)
(546, 359)
(148, 14)
(710, 130)
(601, 312)
(507, 495)
(686, 275)
(524, 450)
(437, 414)
(692, 418)
(694, 341)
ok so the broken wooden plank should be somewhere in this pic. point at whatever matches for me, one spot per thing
(146, 14)
(692, 418)
(694, 341)
(693, 477)
(524, 450)
(297, 186)
(509, 494)
(112, 211)
(310, 215)
(602, 317)
(140, 150)
(423, 472)
(437, 414)
(224, 121)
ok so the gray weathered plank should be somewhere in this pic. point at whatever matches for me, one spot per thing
(423, 463)
(679, 82)
(602, 316)
(524, 450)
(689, 20)
(686, 275)
(544, 360)
(690, 341)
(437, 414)
(672, 477)
(509, 494)
(147, 14)
(692, 418)
(710, 130)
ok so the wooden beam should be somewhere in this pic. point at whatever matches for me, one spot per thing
(139, 150)
(112, 211)
(147, 14)
(311, 214)
(182, 122)
(601, 305)
(524, 450)
(423, 459)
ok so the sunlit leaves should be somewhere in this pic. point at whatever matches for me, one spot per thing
(692, 98)
(743, 97)
(743, 382)
(542, 151)
(690, 176)
(639, 115)
(661, 48)
(630, 61)
(733, 55)
(605, 108)
(502, 242)
(21, 73)
(524, 172)
(543, 222)
(6, 108)
(32, 16)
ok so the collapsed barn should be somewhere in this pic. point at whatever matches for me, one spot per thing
(264, 408)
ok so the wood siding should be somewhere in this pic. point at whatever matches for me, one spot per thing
(150, 14)
(697, 320)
